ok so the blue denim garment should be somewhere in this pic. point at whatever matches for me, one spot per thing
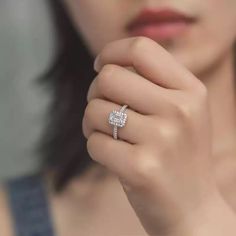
(29, 206)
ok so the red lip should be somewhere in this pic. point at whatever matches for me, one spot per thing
(159, 24)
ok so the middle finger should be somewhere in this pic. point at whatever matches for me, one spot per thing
(121, 85)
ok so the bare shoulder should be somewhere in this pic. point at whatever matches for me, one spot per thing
(6, 228)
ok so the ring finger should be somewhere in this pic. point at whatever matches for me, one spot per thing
(96, 119)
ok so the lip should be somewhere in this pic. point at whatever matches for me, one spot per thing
(160, 24)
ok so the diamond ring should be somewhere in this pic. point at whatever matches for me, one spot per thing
(117, 119)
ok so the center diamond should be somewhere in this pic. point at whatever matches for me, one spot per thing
(117, 118)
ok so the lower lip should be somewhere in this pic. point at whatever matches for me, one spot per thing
(161, 31)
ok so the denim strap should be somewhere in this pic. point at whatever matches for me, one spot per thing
(29, 206)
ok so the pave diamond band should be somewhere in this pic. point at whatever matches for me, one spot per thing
(117, 119)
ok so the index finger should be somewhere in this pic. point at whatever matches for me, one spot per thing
(149, 59)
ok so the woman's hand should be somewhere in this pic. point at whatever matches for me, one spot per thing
(163, 155)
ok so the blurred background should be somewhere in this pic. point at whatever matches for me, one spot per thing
(26, 50)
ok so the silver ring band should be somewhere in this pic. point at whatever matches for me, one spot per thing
(117, 119)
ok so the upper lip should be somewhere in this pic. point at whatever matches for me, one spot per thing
(158, 15)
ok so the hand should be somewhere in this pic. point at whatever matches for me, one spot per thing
(163, 155)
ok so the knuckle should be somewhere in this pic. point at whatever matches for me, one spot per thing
(139, 44)
(145, 167)
(104, 76)
(84, 128)
(104, 53)
(202, 93)
(199, 94)
(90, 109)
(189, 111)
(184, 109)
(90, 144)
(200, 87)
(167, 130)
(87, 112)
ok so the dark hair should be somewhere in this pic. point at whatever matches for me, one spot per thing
(63, 145)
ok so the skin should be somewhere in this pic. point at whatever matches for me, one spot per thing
(206, 50)
(181, 86)
(205, 43)
(169, 133)
(167, 112)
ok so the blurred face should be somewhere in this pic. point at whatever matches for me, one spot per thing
(199, 47)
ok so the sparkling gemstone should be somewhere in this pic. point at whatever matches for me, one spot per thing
(117, 118)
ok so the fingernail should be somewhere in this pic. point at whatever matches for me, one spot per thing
(96, 64)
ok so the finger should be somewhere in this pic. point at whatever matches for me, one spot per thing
(96, 119)
(121, 86)
(117, 155)
(149, 59)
